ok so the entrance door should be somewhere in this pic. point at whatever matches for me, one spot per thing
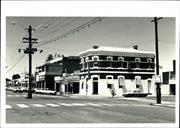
(95, 87)
(172, 89)
(57, 87)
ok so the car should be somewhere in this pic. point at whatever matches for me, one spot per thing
(45, 91)
(135, 93)
(18, 89)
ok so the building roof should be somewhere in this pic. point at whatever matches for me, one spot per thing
(116, 51)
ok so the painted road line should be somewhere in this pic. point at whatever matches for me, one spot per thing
(93, 104)
(78, 104)
(104, 104)
(22, 105)
(9, 95)
(8, 107)
(38, 105)
(64, 104)
(53, 105)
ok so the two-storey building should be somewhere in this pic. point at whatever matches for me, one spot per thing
(46, 73)
(121, 69)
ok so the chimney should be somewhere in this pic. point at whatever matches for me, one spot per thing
(95, 47)
(135, 47)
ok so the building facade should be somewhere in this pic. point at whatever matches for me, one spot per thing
(46, 73)
(168, 86)
(103, 69)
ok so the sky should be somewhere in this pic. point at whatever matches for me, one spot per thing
(110, 31)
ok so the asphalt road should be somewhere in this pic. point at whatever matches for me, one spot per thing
(64, 109)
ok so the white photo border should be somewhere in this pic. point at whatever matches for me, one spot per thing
(90, 8)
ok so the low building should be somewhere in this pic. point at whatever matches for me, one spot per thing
(103, 69)
(57, 66)
(168, 86)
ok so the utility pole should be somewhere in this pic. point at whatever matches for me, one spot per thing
(158, 88)
(30, 50)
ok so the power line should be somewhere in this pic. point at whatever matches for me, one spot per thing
(48, 23)
(57, 29)
(73, 31)
(15, 64)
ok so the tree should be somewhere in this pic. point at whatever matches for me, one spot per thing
(50, 57)
(16, 76)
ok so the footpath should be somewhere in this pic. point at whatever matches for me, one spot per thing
(165, 102)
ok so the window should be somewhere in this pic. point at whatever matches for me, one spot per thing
(109, 85)
(121, 82)
(138, 81)
(82, 85)
(109, 77)
(95, 78)
(149, 60)
(137, 60)
(121, 60)
(95, 64)
(95, 58)
(109, 58)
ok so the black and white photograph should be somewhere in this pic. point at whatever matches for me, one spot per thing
(90, 70)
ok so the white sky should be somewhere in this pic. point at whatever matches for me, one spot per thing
(111, 31)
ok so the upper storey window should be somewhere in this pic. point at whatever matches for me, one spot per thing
(121, 59)
(109, 58)
(137, 60)
(95, 58)
(149, 60)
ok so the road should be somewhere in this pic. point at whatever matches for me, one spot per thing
(64, 109)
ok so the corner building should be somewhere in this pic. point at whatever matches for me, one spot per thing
(103, 69)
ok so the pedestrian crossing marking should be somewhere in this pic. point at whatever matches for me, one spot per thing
(8, 107)
(38, 105)
(22, 105)
(53, 105)
(75, 105)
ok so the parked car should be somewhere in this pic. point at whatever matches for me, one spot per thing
(45, 91)
(18, 89)
(135, 93)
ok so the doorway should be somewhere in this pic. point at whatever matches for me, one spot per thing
(95, 88)
(172, 89)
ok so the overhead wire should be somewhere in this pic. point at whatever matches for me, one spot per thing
(48, 23)
(59, 28)
(15, 63)
(72, 31)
